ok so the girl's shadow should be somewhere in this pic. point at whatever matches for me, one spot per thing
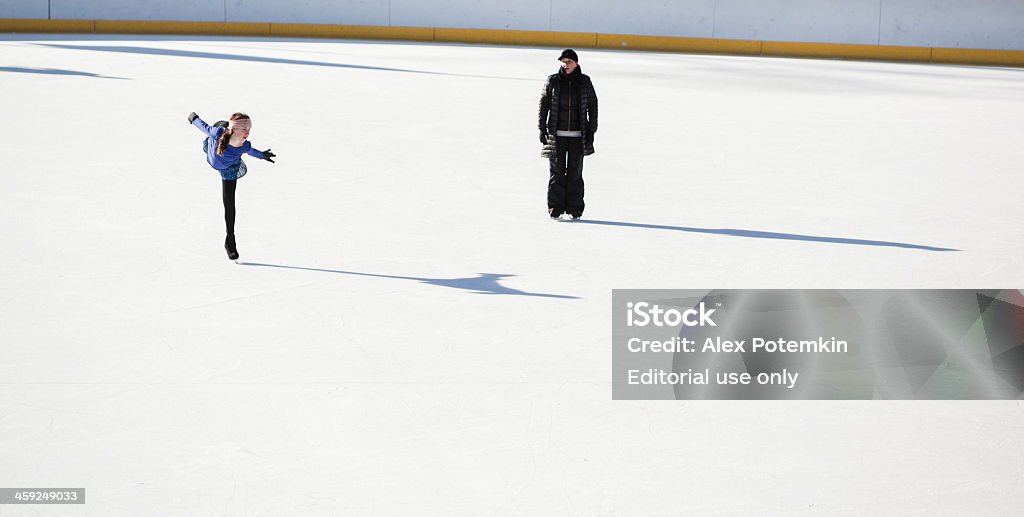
(483, 283)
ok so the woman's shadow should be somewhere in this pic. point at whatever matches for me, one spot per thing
(766, 235)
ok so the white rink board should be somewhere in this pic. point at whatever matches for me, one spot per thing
(532, 15)
(833, 21)
(681, 18)
(181, 10)
(24, 9)
(992, 24)
(344, 12)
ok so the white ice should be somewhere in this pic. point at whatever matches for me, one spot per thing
(409, 334)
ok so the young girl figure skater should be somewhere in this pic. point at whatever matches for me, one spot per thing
(224, 146)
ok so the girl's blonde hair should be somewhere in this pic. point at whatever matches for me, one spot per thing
(225, 137)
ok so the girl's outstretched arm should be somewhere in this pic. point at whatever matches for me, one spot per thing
(203, 126)
(263, 155)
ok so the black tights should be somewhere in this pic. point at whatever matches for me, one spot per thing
(228, 193)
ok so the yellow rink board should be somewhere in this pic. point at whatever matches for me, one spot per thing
(526, 38)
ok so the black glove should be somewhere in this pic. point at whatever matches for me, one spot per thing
(267, 155)
(192, 116)
(543, 137)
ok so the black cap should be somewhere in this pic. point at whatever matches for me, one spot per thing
(569, 53)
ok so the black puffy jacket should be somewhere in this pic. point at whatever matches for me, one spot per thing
(568, 103)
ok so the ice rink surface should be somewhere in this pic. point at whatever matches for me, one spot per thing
(409, 334)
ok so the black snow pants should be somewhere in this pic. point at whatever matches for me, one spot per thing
(565, 184)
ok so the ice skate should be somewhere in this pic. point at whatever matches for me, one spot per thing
(229, 246)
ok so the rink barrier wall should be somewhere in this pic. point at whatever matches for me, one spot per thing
(526, 38)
